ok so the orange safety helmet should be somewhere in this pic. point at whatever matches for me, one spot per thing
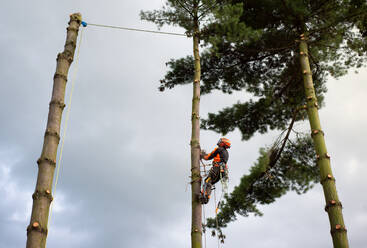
(226, 143)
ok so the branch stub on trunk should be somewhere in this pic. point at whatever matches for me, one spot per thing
(36, 227)
(54, 134)
(72, 43)
(195, 116)
(338, 228)
(195, 143)
(58, 103)
(196, 231)
(48, 160)
(328, 178)
(333, 203)
(317, 131)
(326, 155)
(303, 54)
(65, 55)
(38, 194)
(59, 75)
(72, 29)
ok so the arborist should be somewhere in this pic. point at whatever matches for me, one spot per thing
(219, 169)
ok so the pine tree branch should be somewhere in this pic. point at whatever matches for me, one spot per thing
(335, 23)
(286, 138)
(277, 49)
(261, 57)
(321, 10)
(298, 134)
(205, 11)
(273, 162)
(314, 61)
(290, 11)
(185, 8)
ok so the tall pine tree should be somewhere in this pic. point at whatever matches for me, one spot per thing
(188, 15)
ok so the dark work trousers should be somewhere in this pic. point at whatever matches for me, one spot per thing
(213, 177)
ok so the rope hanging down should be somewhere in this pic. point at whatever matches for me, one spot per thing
(216, 215)
(204, 217)
(204, 226)
(66, 121)
(224, 182)
(131, 29)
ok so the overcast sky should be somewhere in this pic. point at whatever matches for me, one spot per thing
(126, 163)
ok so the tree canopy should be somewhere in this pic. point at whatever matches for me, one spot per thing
(251, 45)
(181, 13)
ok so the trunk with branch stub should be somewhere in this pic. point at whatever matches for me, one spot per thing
(196, 228)
(42, 197)
(333, 205)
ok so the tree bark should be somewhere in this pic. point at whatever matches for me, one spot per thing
(42, 197)
(196, 227)
(333, 205)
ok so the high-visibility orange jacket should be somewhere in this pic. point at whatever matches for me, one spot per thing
(219, 154)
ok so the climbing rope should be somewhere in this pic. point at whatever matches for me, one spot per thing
(66, 122)
(204, 218)
(216, 215)
(131, 29)
(204, 225)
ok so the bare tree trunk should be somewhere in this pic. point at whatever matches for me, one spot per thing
(196, 228)
(42, 197)
(333, 205)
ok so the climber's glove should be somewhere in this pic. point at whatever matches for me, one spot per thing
(203, 154)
